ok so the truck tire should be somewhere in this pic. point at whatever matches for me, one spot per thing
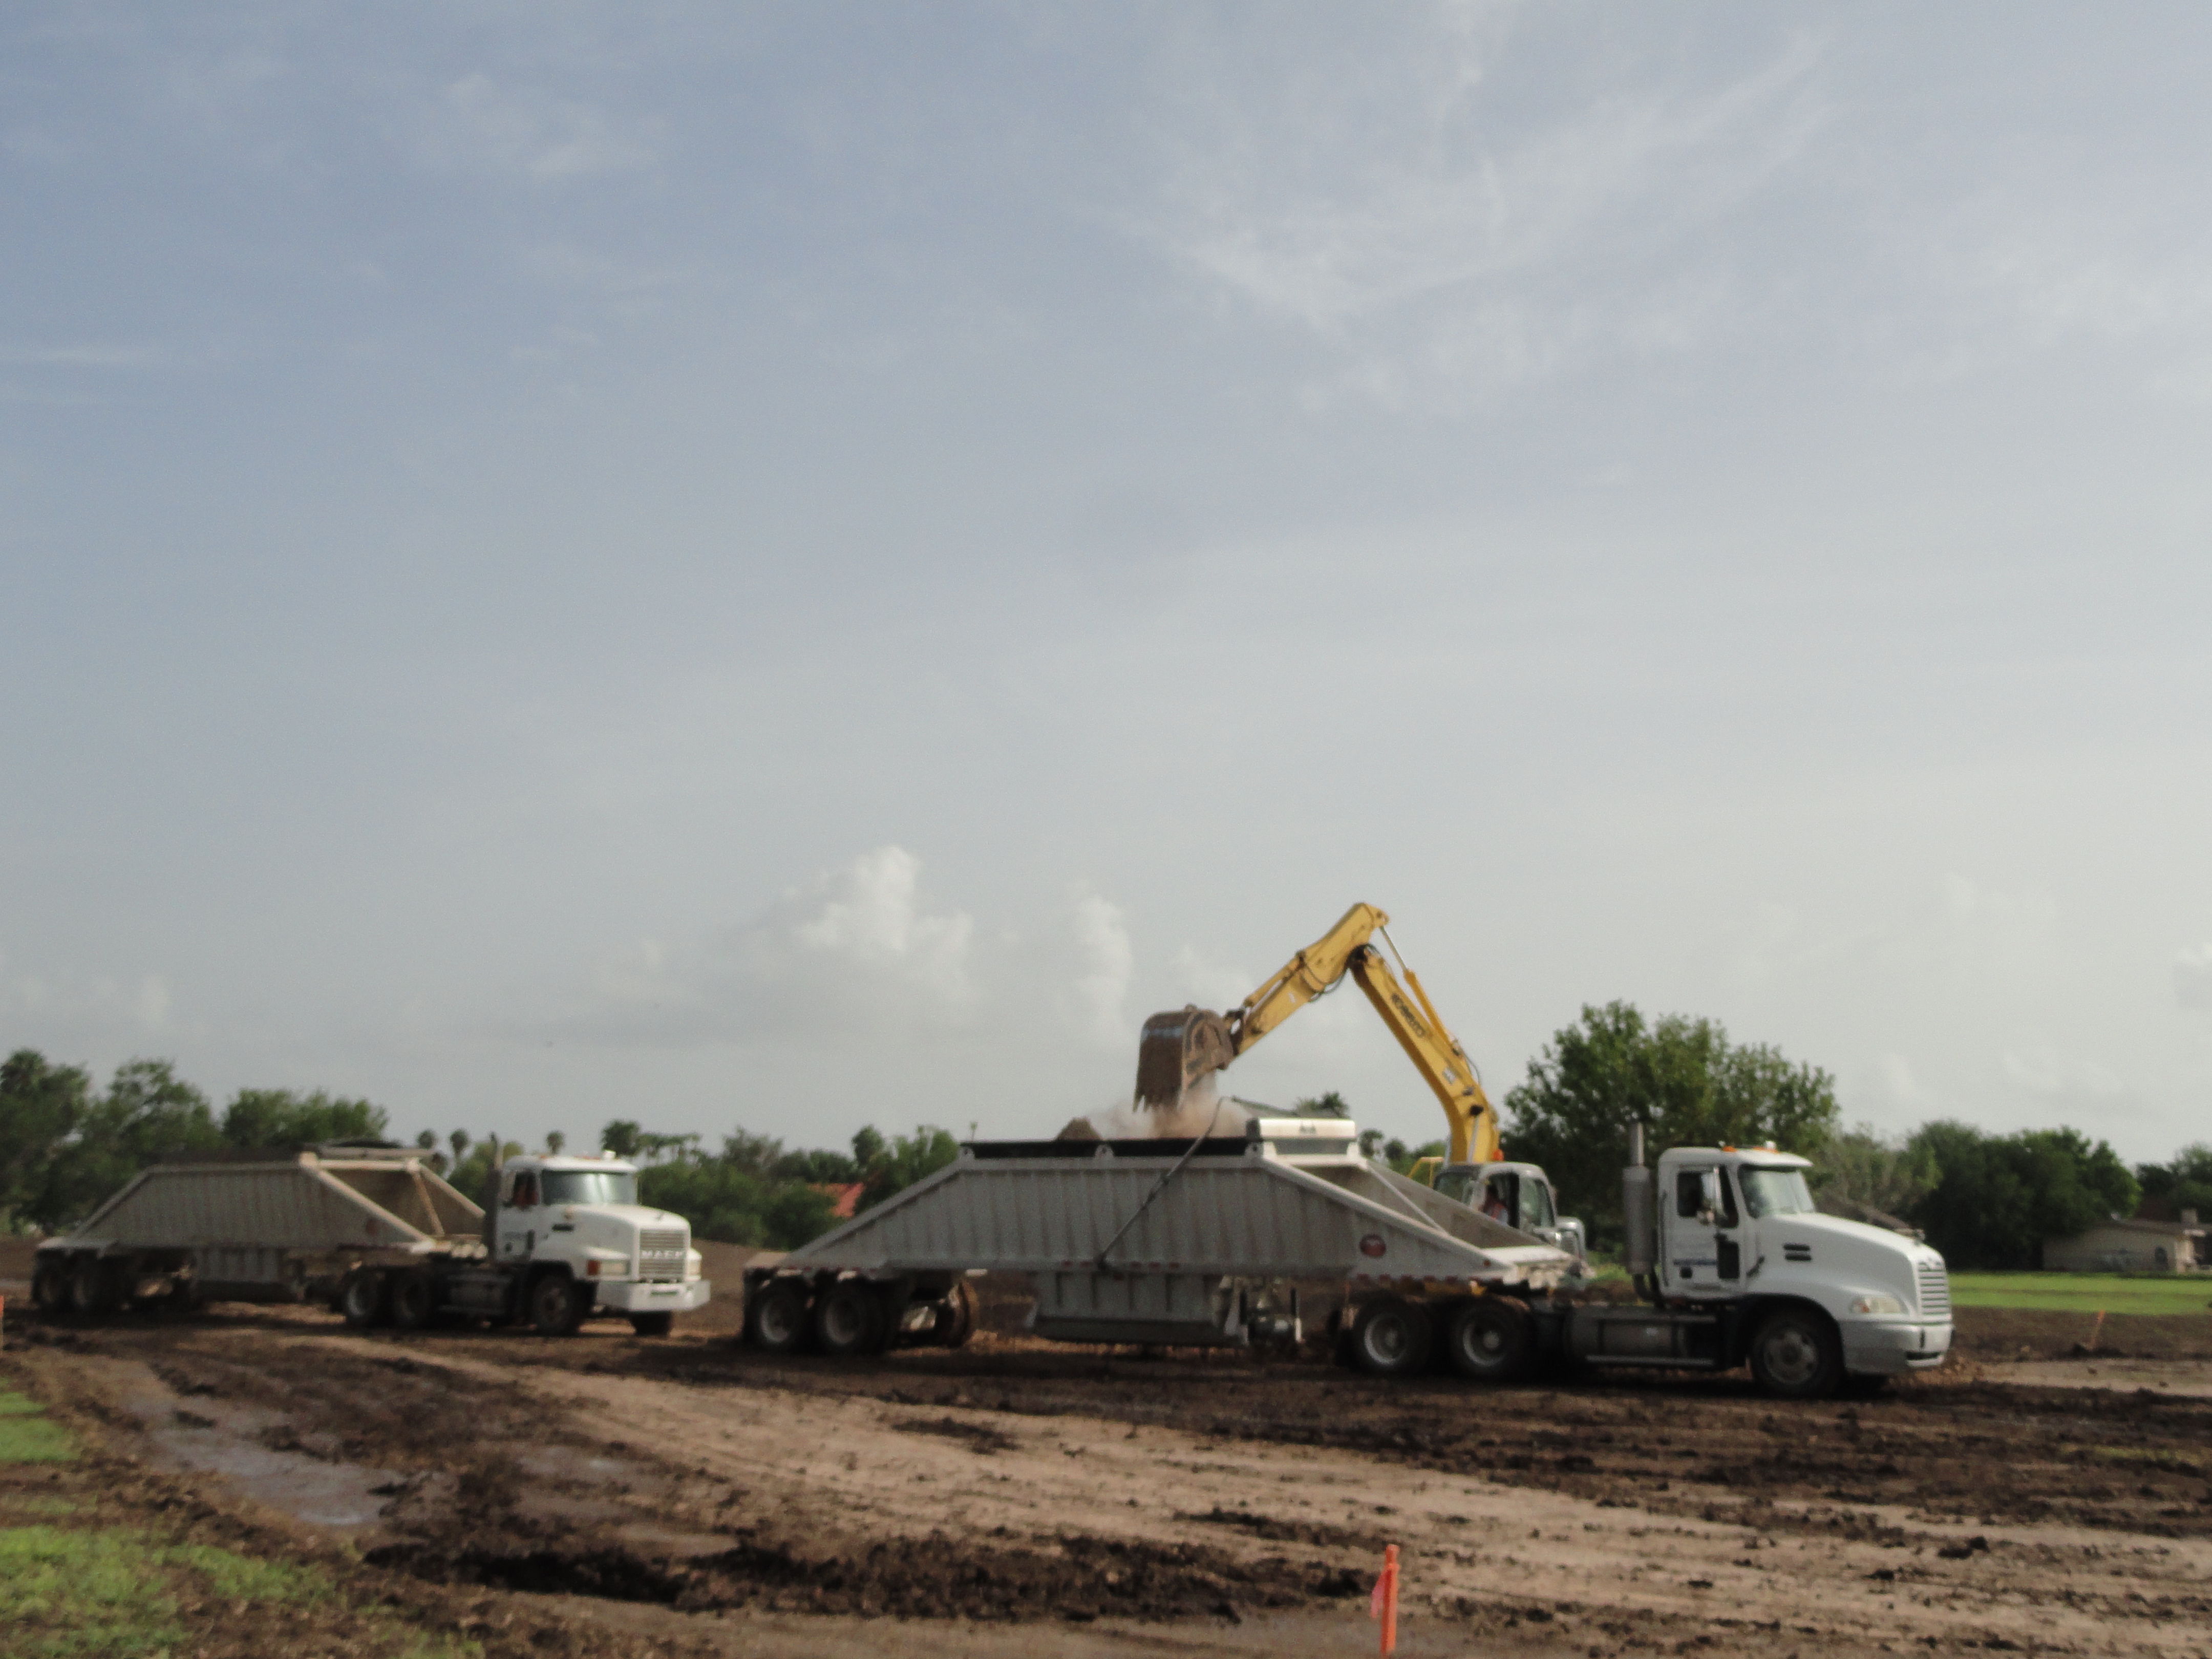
(776, 1317)
(50, 1287)
(1391, 1337)
(956, 1316)
(365, 1298)
(1490, 1339)
(414, 1299)
(849, 1319)
(555, 1309)
(1797, 1355)
(653, 1324)
(94, 1290)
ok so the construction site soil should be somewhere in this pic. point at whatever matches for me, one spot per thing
(617, 1495)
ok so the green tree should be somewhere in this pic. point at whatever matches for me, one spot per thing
(555, 1140)
(621, 1137)
(1330, 1104)
(471, 1176)
(1997, 1198)
(901, 1161)
(40, 1104)
(1860, 1167)
(282, 1121)
(1680, 1078)
(147, 1114)
(2183, 1183)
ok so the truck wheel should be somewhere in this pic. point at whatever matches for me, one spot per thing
(1391, 1337)
(653, 1324)
(956, 1316)
(849, 1319)
(1797, 1355)
(50, 1287)
(365, 1298)
(556, 1310)
(414, 1300)
(776, 1317)
(1490, 1340)
(92, 1289)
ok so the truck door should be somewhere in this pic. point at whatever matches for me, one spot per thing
(1704, 1253)
(518, 1216)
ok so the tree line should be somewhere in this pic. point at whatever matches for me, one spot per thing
(1985, 1200)
(66, 1146)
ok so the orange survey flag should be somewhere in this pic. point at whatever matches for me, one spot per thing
(1384, 1604)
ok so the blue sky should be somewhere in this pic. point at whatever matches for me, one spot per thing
(804, 566)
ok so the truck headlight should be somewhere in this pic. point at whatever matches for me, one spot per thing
(1876, 1305)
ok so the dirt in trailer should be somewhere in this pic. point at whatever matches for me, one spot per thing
(685, 1495)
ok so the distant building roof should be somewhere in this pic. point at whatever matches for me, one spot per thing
(844, 1196)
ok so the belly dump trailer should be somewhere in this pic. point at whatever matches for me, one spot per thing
(381, 1237)
(1201, 1242)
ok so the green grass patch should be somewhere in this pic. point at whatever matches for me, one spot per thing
(64, 1592)
(26, 1437)
(2084, 1293)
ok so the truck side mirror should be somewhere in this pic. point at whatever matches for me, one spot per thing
(1708, 1196)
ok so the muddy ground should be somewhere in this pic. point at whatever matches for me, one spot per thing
(684, 1496)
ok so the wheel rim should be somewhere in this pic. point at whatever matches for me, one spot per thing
(778, 1320)
(552, 1301)
(842, 1321)
(1790, 1356)
(361, 1298)
(1388, 1340)
(1482, 1345)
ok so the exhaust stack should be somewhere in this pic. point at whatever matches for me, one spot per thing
(1638, 1207)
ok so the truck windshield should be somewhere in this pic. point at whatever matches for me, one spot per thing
(1775, 1192)
(590, 1187)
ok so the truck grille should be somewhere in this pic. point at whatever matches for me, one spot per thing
(1935, 1290)
(660, 1252)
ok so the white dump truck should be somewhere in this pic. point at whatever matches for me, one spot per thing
(380, 1236)
(1740, 1266)
(1203, 1242)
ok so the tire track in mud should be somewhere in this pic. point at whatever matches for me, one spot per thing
(852, 1471)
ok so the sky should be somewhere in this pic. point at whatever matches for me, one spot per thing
(797, 567)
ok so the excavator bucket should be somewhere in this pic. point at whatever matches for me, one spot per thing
(1178, 1048)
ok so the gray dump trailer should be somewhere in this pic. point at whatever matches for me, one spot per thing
(257, 1227)
(1167, 1241)
(380, 1236)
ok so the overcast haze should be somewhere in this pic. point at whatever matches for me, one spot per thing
(808, 565)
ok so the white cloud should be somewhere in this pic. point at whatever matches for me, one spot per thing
(855, 955)
(1100, 988)
(1405, 190)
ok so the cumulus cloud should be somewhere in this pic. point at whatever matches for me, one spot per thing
(864, 956)
(856, 953)
(78, 1003)
(1099, 990)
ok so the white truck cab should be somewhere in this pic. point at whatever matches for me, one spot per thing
(1521, 1196)
(1809, 1299)
(577, 1220)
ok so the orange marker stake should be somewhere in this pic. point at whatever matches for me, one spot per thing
(1384, 1604)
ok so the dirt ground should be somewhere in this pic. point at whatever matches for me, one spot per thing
(684, 1496)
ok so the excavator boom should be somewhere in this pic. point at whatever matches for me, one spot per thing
(1183, 1046)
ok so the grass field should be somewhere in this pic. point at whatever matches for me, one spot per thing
(2088, 1294)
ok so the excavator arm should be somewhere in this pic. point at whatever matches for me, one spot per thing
(1180, 1047)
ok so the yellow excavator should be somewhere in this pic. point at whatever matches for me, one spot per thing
(1184, 1046)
